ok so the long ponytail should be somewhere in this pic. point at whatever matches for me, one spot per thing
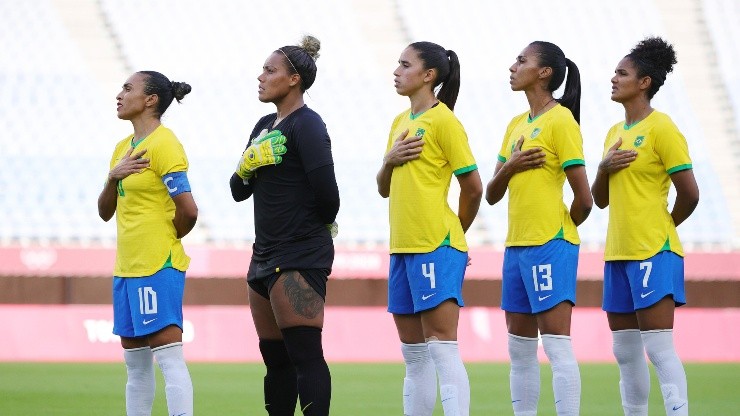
(551, 55)
(448, 70)
(451, 86)
(571, 98)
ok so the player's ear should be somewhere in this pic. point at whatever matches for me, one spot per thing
(430, 75)
(294, 80)
(645, 83)
(545, 72)
(151, 100)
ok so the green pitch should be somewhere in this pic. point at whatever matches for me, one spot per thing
(358, 389)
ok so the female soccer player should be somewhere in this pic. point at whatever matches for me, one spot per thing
(541, 148)
(288, 169)
(148, 189)
(427, 243)
(643, 274)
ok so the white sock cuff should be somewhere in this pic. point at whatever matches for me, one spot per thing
(422, 346)
(627, 339)
(559, 349)
(136, 349)
(415, 353)
(442, 342)
(167, 346)
(138, 357)
(626, 331)
(521, 338)
(657, 340)
(554, 337)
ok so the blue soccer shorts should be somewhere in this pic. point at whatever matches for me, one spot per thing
(536, 278)
(145, 305)
(637, 284)
(419, 282)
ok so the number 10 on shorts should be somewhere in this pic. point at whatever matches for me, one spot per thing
(147, 300)
(542, 276)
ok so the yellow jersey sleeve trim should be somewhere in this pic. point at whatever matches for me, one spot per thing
(679, 168)
(574, 162)
(465, 169)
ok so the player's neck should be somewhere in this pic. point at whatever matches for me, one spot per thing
(636, 110)
(144, 126)
(539, 102)
(422, 101)
(286, 107)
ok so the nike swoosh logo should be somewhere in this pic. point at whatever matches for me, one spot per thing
(643, 296)
(514, 401)
(149, 321)
(425, 297)
(541, 298)
(676, 408)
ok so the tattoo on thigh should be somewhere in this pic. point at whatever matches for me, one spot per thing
(304, 300)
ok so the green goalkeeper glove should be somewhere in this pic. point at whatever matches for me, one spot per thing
(333, 229)
(266, 149)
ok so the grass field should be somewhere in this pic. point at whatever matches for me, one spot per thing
(358, 389)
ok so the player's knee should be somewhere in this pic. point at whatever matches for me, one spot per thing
(303, 344)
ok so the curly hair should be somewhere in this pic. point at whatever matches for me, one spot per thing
(653, 57)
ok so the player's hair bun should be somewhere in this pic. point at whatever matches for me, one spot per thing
(180, 90)
(311, 45)
(657, 52)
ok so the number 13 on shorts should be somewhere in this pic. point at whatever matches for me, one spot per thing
(542, 276)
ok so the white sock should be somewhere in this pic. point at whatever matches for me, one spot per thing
(177, 384)
(672, 377)
(566, 380)
(524, 378)
(420, 383)
(140, 385)
(634, 375)
(454, 387)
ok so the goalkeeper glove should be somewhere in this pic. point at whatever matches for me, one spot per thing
(333, 229)
(266, 149)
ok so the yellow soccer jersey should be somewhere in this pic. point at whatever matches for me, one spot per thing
(144, 210)
(420, 217)
(537, 213)
(640, 225)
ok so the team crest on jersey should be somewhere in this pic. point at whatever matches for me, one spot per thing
(535, 132)
(420, 132)
(639, 140)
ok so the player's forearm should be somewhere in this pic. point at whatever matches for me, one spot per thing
(186, 213)
(184, 222)
(496, 188)
(239, 190)
(579, 210)
(471, 193)
(384, 179)
(600, 189)
(684, 207)
(324, 184)
(468, 209)
(108, 200)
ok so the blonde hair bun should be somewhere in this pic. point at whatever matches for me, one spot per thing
(311, 45)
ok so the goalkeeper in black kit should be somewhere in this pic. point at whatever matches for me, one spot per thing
(288, 170)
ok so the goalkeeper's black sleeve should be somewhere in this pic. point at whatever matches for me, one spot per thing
(324, 185)
(239, 190)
